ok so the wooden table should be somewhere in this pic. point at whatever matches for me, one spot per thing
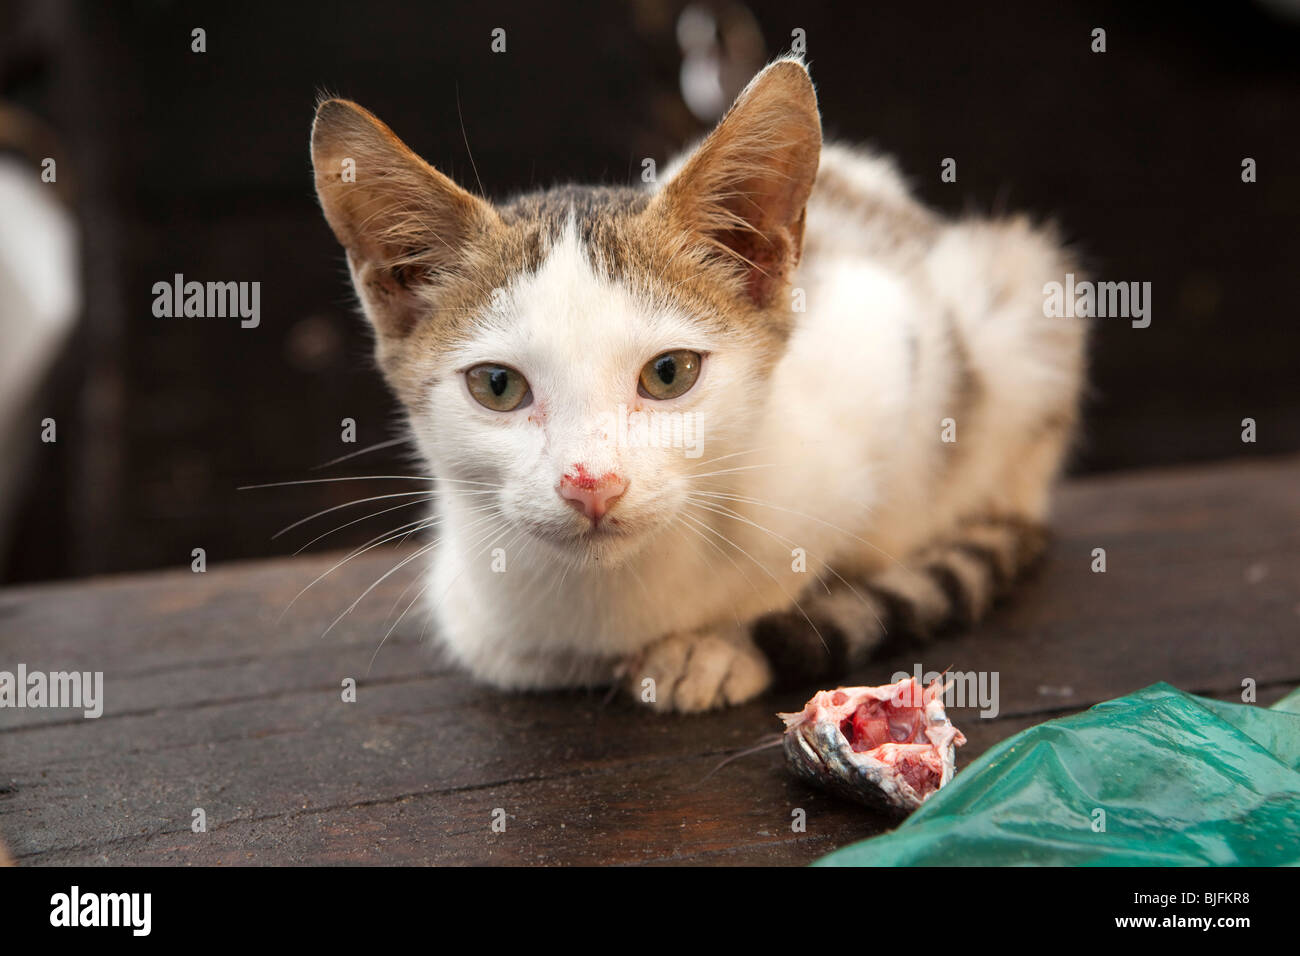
(211, 703)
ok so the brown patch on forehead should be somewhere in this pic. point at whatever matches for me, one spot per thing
(626, 240)
(589, 206)
(605, 219)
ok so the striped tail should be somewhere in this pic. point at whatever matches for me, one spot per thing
(847, 619)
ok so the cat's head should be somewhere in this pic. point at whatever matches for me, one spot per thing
(581, 358)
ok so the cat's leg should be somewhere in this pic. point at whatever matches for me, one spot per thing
(699, 670)
(847, 618)
(840, 622)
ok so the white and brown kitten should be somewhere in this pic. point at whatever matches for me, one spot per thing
(827, 336)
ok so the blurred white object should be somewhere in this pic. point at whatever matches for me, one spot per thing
(722, 48)
(39, 302)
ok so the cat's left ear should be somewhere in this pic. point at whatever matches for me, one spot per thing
(744, 191)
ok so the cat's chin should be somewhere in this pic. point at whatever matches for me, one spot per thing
(601, 546)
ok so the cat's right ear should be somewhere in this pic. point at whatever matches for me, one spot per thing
(401, 221)
(745, 189)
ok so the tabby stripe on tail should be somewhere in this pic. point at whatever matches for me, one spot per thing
(851, 618)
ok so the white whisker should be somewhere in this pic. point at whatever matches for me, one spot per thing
(353, 454)
(375, 514)
(348, 504)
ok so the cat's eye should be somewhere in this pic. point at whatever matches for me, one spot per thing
(669, 375)
(498, 387)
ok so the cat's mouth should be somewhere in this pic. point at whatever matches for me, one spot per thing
(604, 541)
(604, 528)
(600, 534)
(578, 532)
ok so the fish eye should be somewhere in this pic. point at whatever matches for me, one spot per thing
(670, 374)
(498, 387)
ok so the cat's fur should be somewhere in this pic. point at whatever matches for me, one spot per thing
(823, 429)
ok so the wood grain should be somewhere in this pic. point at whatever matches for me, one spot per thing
(214, 700)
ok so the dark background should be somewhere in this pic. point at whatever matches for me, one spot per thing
(198, 163)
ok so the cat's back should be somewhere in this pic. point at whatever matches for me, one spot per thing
(861, 206)
(967, 290)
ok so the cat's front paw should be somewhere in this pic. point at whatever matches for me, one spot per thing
(701, 670)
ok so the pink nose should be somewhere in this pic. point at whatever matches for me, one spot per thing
(592, 496)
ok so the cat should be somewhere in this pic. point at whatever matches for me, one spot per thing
(879, 401)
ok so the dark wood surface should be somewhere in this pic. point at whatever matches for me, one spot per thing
(212, 702)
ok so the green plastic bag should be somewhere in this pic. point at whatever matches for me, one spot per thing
(1181, 781)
